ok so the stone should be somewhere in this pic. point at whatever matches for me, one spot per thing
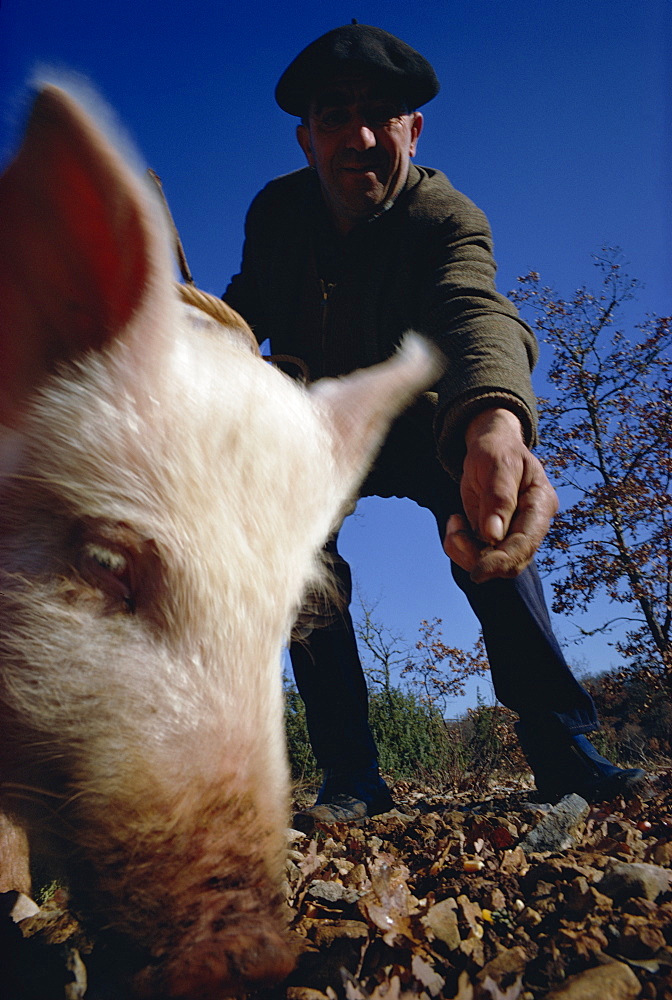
(554, 831)
(441, 921)
(17, 906)
(505, 968)
(333, 893)
(662, 853)
(327, 933)
(623, 880)
(614, 981)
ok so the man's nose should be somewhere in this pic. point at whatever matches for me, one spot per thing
(360, 135)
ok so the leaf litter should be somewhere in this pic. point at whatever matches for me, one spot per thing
(446, 898)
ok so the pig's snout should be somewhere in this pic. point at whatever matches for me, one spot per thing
(214, 969)
(221, 967)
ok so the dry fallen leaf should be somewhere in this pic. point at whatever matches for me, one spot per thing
(390, 902)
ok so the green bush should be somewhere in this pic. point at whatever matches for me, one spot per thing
(410, 736)
(302, 763)
(636, 718)
(414, 741)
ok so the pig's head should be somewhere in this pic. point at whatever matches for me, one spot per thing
(164, 495)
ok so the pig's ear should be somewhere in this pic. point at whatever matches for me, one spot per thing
(79, 253)
(360, 407)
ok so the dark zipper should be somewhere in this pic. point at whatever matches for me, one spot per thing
(326, 289)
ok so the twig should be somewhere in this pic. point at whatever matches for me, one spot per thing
(179, 249)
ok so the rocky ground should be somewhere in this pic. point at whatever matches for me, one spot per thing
(500, 899)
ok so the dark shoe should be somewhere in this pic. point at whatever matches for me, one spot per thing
(364, 784)
(344, 809)
(346, 796)
(562, 763)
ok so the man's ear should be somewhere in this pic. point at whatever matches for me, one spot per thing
(303, 137)
(416, 129)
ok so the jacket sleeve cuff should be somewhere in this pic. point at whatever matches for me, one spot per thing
(451, 424)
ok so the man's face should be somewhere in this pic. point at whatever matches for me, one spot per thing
(360, 141)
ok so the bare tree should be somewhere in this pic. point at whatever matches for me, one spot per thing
(436, 672)
(606, 438)
(440, 672)
(385, 652)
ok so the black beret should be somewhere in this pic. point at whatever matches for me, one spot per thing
(356, 46)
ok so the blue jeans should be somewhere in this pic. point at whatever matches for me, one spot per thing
(529, 672)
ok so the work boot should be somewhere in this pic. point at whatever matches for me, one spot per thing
(347, 795)
(563, 763)
(364, 784)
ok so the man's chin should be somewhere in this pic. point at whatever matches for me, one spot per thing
(355, 202)
(364, 193)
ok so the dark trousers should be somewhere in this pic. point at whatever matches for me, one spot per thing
(529, 672)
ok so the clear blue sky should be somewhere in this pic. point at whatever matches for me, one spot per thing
(554, 116)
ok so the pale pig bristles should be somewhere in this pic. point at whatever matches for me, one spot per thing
(164, 497)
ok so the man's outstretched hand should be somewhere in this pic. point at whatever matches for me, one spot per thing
(507, 498)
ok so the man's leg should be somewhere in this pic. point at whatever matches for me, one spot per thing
(529, 671)
(330, 680)
(531, 676)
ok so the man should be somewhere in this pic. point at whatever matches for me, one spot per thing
(340, 259)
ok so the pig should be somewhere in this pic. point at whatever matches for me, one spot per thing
(164, 497)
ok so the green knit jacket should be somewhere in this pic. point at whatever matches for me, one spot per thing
(425, 264)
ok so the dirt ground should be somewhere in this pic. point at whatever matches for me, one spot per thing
(496, 899)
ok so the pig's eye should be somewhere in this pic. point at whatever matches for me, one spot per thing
(109, 569)
(107, 559)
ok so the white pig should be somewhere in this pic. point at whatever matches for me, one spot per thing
(164, 496)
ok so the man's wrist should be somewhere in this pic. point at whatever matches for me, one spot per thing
(495, 420)
(452, 422)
